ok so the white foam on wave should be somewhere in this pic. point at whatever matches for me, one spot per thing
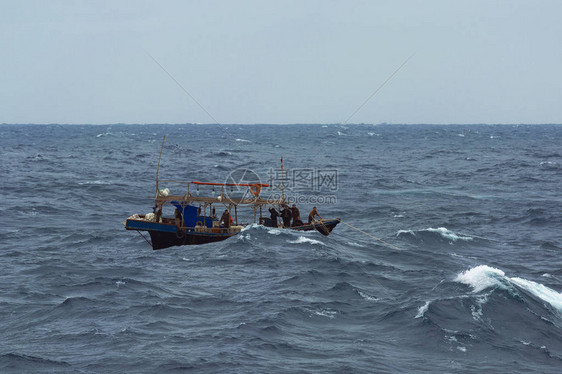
(325, 313)
(251, 226)
(422, 309)
(405, 232)
(270, 230)
(96, 182)
(243, 140)
(353, 244)
(541, 291)
(484, 276)
(367, 296)
(302, 239)
(481, 277)
(448, 234)
(443, 231)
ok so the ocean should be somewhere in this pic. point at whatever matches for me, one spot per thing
(457, 267)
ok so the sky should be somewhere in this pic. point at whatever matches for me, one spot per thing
(278, 62)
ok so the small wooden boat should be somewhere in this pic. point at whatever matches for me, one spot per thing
(195, 221)
(166, 233)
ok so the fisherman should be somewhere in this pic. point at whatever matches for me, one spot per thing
(274, 215)
(159, 214)
(177, 215)
(225, 219)
(286, 214)
(312, 214)
(296, 216)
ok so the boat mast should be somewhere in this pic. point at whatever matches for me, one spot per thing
(282, 183)
(158, 167)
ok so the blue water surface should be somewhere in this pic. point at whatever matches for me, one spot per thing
(471, 281)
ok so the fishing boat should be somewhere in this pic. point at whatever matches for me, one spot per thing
(195, 220)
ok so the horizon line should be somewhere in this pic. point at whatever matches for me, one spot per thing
(280, 124)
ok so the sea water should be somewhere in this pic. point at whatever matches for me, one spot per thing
(470, 280)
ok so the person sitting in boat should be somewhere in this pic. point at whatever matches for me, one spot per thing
(286, 214)
(225, 219)
(313, 213)
(274, 215)
(296, 216)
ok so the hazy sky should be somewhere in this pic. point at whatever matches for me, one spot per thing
(281, 61)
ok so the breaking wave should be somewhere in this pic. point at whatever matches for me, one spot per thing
(442, 232)
(483, 277)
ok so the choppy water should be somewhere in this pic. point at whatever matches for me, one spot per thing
(475, 287)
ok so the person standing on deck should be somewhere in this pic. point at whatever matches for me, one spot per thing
(177, 217)
(312, 214)
(286, 214)
(274, 215)
(296, 216)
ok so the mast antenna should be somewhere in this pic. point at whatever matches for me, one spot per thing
(158, 167)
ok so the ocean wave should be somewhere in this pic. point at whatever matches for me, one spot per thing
(483, 277)
(443, 232)
(27, 363)
(422, 309)
(302, 239)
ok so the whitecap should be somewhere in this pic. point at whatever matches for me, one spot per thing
(462, 349)
(326, 313)
(405, 232)
(484, 276)
(274, 232)
(541, 291)
(302, 239)
(96, 182)
(353, 244)
(481, 277)
(444, 232)
(243, 140)
(367, 296)
(422, 309)
(251, 226)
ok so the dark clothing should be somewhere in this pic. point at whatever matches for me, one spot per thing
(296, 215)
(274, 216)
(225, 219)
(286, 215)
(177, 217)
